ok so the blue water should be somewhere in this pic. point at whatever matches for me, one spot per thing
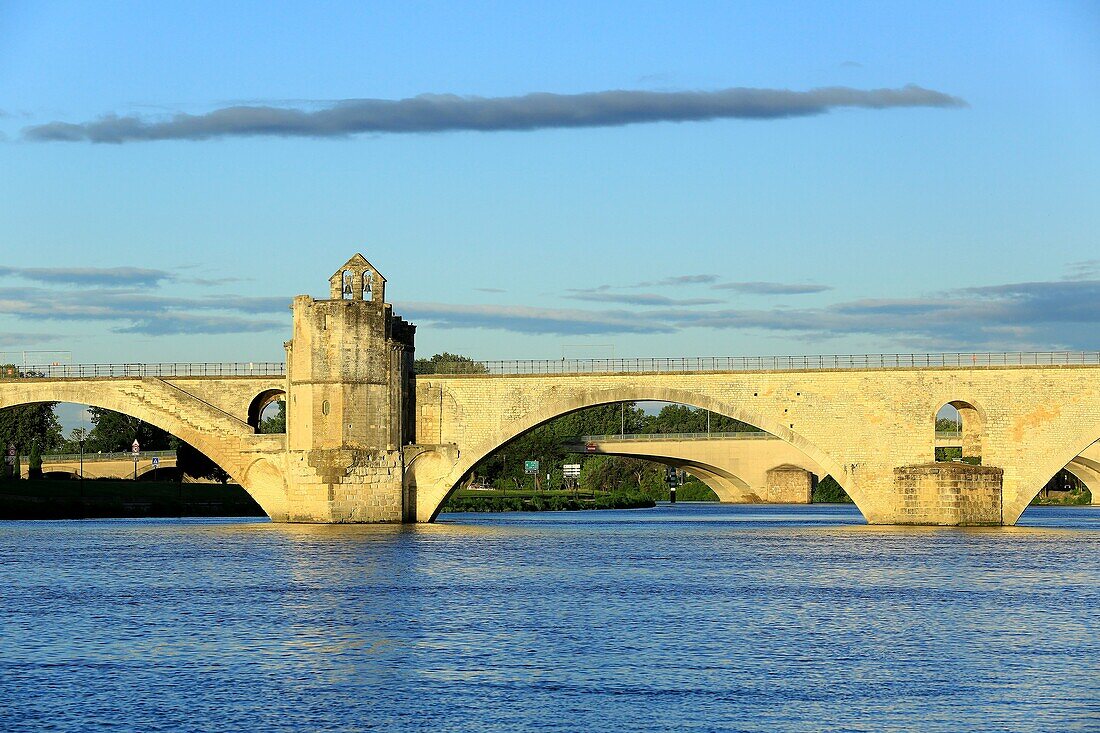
(691, 617)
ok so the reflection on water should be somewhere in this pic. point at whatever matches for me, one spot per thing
(697, 617)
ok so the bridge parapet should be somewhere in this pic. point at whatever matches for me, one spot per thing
(168, 369)
(637, 365)
(740, 435)
(820, 362)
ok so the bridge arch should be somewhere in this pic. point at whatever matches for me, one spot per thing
(430, 501)
(260, 402)
(217, 435)
(1088, 473)
(728, 487)
(972, 421)
(1029, 487)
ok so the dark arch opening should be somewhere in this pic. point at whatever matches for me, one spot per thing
(561, 440)
(1065, 488)
(267, 411)
(86, 467)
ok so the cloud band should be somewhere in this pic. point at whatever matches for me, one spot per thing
(430, 113)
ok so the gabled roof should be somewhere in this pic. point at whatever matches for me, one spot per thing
(358, 262)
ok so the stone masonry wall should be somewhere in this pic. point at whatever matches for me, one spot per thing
(948, 494)
(788, 485)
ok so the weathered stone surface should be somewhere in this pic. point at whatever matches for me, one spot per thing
(788, 485)
(948, 494)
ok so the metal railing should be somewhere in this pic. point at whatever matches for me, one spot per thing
(174, 369)
(744, 435)
(587, 366)
(766, 363)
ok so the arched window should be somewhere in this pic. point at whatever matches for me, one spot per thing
(346, 288)
(267, 411)
(368, 285)
(959, 430)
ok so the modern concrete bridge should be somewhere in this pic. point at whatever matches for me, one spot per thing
(369, 441)
(741, 468)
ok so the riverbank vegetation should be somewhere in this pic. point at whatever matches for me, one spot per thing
(492, 500)
(1064, 489)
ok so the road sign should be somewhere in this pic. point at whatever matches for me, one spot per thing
(531, 467)
(571, 470)
(136, 447)
(156, 461)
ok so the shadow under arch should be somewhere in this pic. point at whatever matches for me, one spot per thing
(728, 487)
(110, 394)
(430, 503)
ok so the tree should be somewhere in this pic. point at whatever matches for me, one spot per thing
(447, 363)
(114, 432)
(24, 425)
(686, 419)
(275, 423)
(948, 425)
(76, 437)
(34, 462)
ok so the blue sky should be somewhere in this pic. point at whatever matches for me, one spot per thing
(818, 227)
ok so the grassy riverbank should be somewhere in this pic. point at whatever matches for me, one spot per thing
(1080, 497)
(102, 498)
(494, 500)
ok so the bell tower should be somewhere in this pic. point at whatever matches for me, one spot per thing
(350, 386)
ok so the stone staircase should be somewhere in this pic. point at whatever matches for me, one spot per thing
(197, 416)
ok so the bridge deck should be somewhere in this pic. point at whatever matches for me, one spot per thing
(656, 365)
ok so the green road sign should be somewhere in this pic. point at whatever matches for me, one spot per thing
(530, 466)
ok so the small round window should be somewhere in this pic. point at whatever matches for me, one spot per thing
(324, 407)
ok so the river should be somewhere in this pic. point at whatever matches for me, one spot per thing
(685, 617)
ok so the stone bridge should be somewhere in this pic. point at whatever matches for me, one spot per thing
(370, 441)
(857, 425)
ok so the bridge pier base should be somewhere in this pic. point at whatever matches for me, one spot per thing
(947, 494)
(343, 486)
(788, 485)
